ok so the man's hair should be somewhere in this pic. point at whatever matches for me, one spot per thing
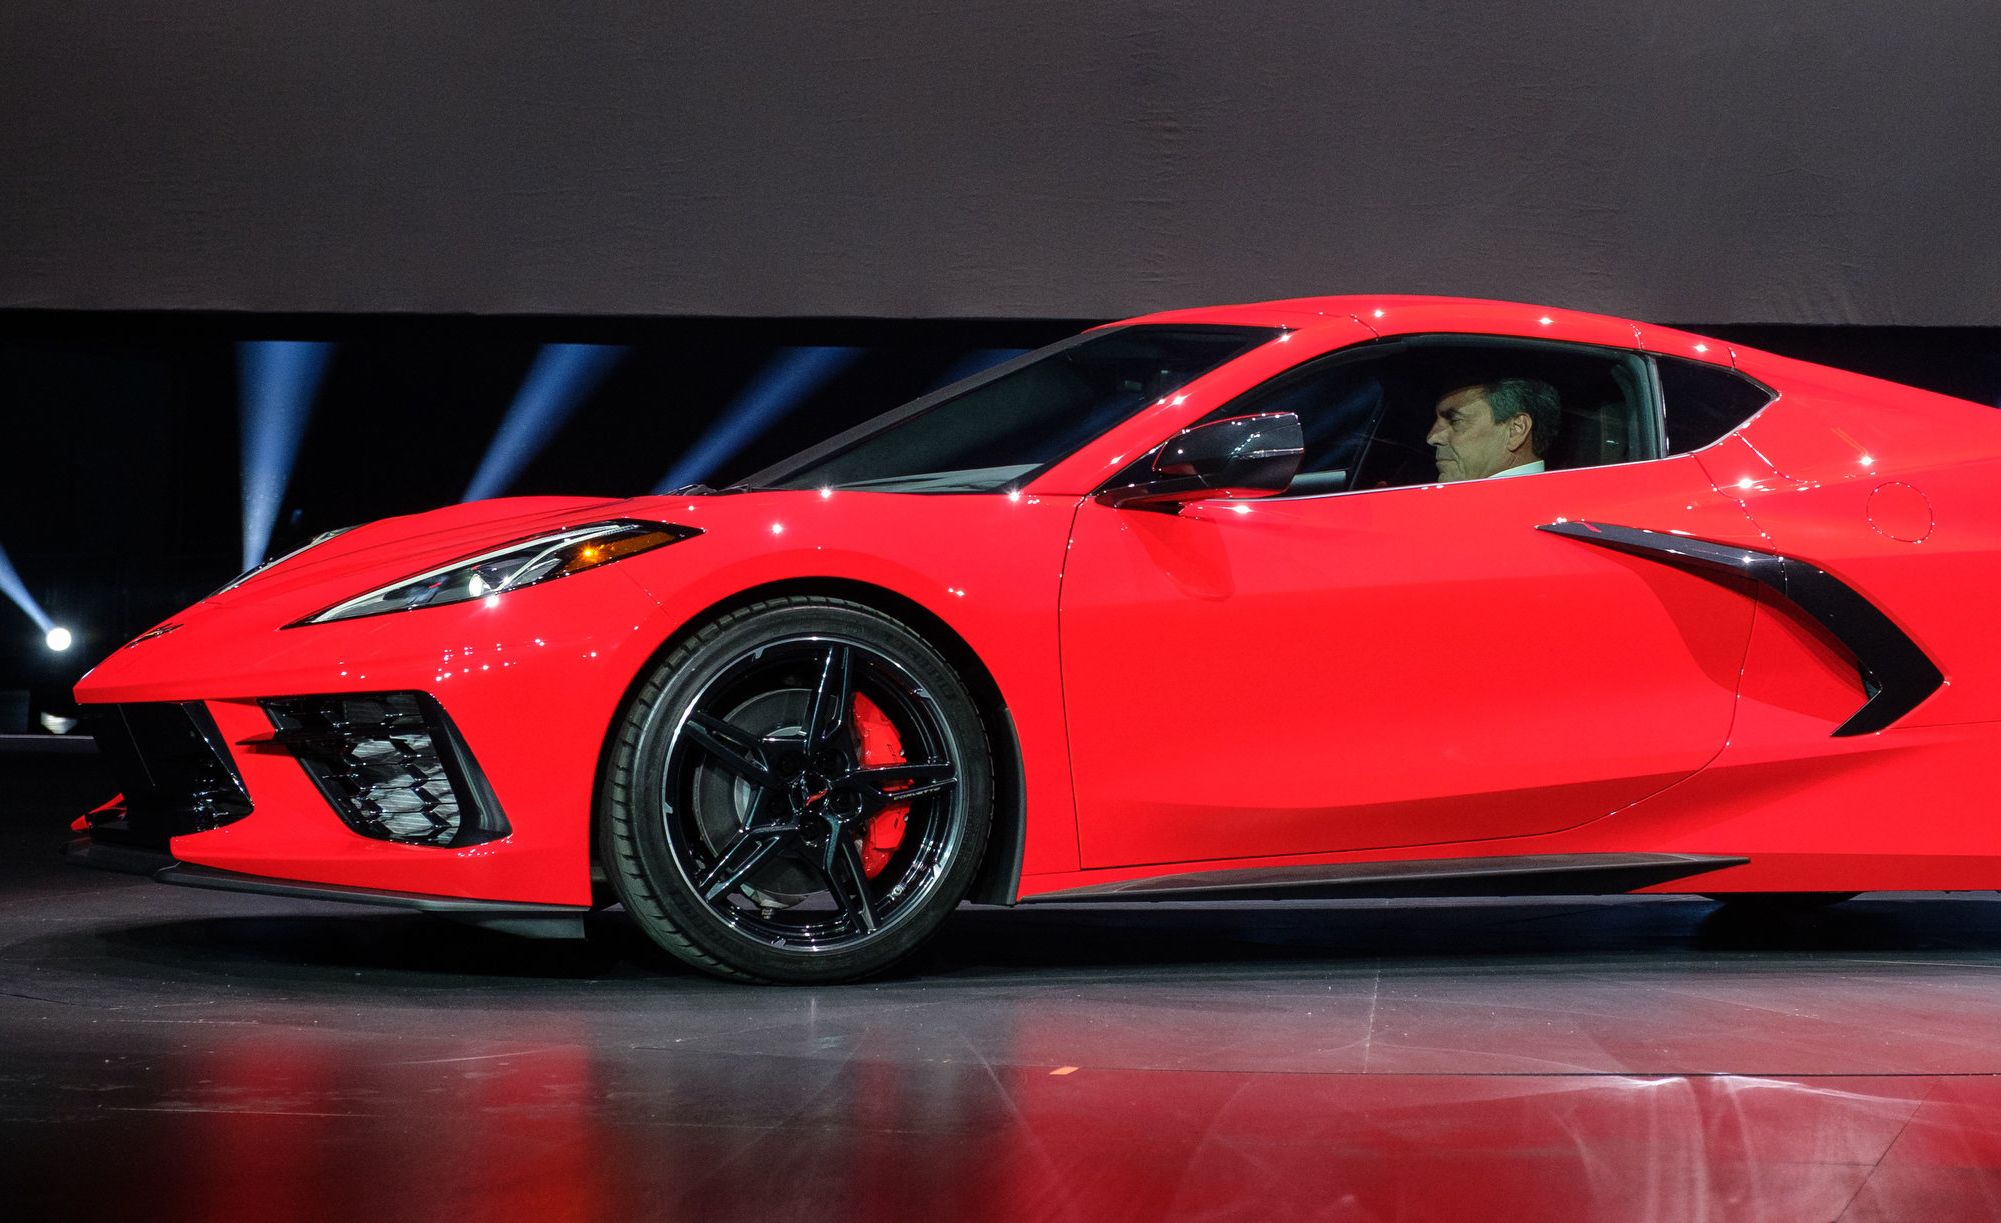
(1510, 397)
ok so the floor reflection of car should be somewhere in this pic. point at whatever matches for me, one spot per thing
(1336, 596)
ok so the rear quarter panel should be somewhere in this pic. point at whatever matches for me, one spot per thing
(1897, 492)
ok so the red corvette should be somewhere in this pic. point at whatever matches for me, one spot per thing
(1352, 596)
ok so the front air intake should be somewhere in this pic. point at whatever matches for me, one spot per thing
(174, 768)
(392, 765)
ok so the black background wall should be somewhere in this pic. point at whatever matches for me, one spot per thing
(1756, 161)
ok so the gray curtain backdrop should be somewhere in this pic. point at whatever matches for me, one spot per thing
(1713, 160)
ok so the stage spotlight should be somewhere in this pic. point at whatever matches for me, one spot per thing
(976, 361)
(278, 379)
(12, 586)
(788, 381)
(561, 379)
(58, 639)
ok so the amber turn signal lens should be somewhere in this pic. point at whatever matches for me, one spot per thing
(590, 556)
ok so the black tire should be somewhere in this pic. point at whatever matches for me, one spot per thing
(735, 796)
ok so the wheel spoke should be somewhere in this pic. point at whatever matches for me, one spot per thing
(841, 866)
(918, 781)
(734, 749)
(831, 697)
(744, 855)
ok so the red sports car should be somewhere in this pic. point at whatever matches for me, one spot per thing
(1346, 596)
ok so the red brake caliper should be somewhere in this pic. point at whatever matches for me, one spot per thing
(881, 747)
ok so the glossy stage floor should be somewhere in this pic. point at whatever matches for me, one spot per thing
(169, 1053)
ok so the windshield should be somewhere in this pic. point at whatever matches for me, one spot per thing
(995, 429)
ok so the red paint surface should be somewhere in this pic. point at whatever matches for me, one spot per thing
(1306, 680)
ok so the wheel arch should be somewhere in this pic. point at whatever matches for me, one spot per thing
(998, 879)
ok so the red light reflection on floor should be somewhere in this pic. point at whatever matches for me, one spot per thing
(274, 1122)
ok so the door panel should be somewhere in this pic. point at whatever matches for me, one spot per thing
(1390, 668)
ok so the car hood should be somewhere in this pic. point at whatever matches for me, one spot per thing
(391, 549)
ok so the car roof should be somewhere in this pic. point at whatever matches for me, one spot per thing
(1412, 309)
(1411, 314)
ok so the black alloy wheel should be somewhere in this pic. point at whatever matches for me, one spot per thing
(751, 822)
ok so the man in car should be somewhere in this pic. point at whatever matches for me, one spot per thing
(1499, 428)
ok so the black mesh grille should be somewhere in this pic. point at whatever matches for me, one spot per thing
(171, 763)
(392, 765)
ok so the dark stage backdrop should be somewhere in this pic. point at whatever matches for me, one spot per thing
(1759, 161)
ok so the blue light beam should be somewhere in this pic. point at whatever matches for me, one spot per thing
(789, 380)
(277, 381)
(11, 586)
(561, 379)
(979, 360)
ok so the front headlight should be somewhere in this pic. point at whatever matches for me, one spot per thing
(540, 559)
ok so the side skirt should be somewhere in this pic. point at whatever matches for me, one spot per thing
(1531, 875)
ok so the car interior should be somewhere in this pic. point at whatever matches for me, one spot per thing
(1365, 412)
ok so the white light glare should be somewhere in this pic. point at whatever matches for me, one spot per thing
(59, 639)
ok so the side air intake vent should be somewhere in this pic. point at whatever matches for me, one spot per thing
(392, 765)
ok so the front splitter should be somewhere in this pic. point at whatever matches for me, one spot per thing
(512, 916)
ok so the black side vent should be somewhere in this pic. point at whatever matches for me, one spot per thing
(170, 760)
(392, 765)
(1897, 675)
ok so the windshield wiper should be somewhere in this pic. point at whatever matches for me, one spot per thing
(970, 479)
(703, 490)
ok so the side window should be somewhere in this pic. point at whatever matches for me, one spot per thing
(1704, 402)
(1417, 411)
(1583, 407)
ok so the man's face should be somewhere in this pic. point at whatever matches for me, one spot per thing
(1467, 444)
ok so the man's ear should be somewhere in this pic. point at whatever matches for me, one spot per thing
(1517, 428)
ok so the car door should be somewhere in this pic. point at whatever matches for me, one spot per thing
(1389, 668)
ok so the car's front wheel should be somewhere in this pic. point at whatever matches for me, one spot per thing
(800, 791)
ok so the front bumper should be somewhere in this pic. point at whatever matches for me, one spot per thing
(531, 684)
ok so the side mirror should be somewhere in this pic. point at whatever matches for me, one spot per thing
(1246, 456)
